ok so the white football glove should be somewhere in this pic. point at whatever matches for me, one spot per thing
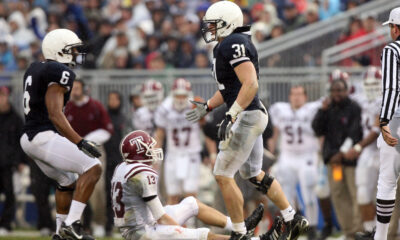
(197, 113)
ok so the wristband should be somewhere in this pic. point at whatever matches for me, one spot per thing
(209, 108)
(376, 129)
(235, 110)
(358, 148)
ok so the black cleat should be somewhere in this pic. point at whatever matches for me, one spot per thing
(275, 231)
(238, 236)
(252, 221)
(326, 232)
(312, 233)
(57, 237)
(294, 228)
(365, 235)
(74, 231)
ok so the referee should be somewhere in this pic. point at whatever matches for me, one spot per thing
(390, 129)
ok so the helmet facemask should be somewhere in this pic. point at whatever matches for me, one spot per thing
(76, 52)
(210, 29)
(155, 154)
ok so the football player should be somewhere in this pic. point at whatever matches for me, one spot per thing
(183, 158)
(235, 68)
(366, 150)
(138, 212)
(298, 145)
(49, 139)
(151, 95)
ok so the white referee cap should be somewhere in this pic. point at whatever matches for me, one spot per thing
(394, 17)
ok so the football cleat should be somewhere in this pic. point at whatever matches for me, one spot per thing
(365, 235)
(74, 231)
(238, 236)
(57, 237)
(326, 232)
(275, 231)
(294, 228)
(252, 221)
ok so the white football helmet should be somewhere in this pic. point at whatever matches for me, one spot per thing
(181, 91)
(372, 83)
(220, 20)
(59, 45)
(152, 94)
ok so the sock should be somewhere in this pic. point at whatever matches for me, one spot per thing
(239, 227)
(255, 238)
(288, 214)
(59, 219)
(384, 209)
(75, 212)
(369, 225)
(228, 225)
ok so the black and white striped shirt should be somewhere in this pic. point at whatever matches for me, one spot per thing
(390, 80)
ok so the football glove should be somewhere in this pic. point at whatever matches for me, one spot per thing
(224, 130)
(89, 148)
(198, 112)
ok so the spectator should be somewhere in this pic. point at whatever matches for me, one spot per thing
(186, 58)
(311, 14)
(6, 55)
(21, 34)
(293, 20)
(89, 118)
(328, 8)
(170, 50)
(112, 150)
(201, 60)
(339, 122)
(155, 61)
(11, 156)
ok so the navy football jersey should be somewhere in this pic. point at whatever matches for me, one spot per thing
(232, 51)
(37, 78)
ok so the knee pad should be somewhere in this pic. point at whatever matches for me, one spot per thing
(265, 183)
(191, 203)
(65, 189)
(363, 195)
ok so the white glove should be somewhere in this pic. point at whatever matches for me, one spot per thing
(197, 113)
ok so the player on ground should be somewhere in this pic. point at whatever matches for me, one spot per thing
(152, 94)
(235, 68)
(48, 137)
(389, 152)
(138, 212)
(298, 145)
(183, 159)
(366, 150)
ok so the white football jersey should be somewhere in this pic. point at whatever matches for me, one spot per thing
(131, 183)
(182, 136)
(369, 111)
(296, 133)
(143, 119)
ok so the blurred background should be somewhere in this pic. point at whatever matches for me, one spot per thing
(129, 42)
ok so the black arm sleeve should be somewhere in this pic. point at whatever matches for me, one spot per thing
(355, 128)
(319, 124)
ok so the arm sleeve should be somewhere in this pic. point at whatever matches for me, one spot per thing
(390, 84)
(319, 123)
(60, 74)
(273, 113)
(235, 50)
(99, 136)
(355, 128)
(159, 117)
(105, 119)
(148, 182)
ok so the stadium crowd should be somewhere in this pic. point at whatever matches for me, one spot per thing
(144, 34)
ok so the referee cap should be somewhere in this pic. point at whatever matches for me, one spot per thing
(394, 17)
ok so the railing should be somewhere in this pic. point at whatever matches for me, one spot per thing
(359, 45)
(311, 40)
(274, 83)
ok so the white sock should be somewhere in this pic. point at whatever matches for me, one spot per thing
(369, 225)
(228, 225)
(382, 230)
(288, 214)
(255, 238)
(59, 219)
(239, 227)
(75, 212)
